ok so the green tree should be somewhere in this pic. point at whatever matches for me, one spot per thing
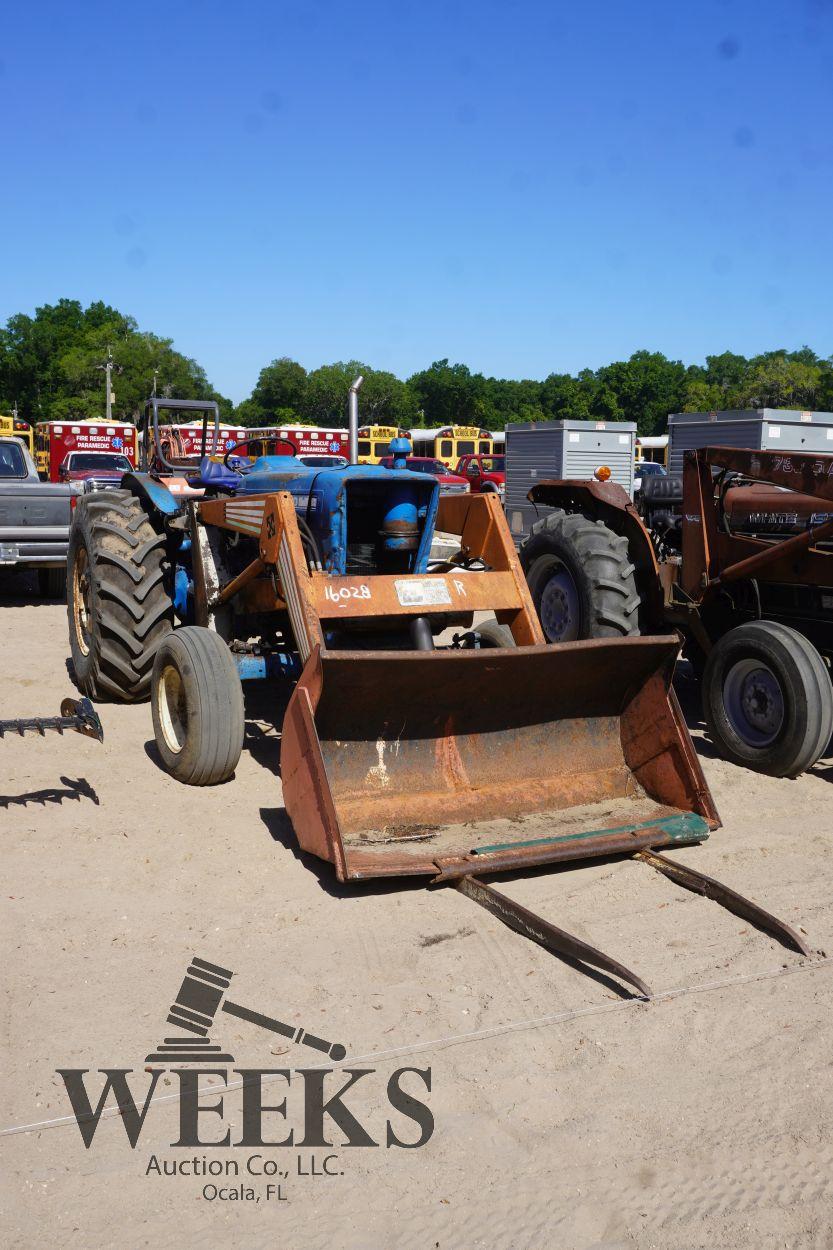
(701, 396)
(383, 399)
(645, 389)
(48, 364)
(775, 380)
(825, 394)
(726, 372)
(279, 394)
(588, 397)
(503, 400)
(386, 400)
(448, 394)
(327, 387)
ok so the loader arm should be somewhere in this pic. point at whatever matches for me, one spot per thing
(443, 762)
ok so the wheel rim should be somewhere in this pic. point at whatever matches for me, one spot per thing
(560, 608)
(754, 702)
(173, 711)
(81, 613)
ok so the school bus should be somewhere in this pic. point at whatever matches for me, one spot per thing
(20, 429)
(653, 447)
(450, 442)
(374, 441)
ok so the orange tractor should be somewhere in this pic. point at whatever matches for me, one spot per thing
(735, 554)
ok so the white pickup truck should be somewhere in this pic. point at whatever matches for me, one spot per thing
(34, 519)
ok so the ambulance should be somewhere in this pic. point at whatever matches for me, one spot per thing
(54, 439)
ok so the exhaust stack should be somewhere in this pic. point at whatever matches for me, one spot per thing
(353, 419)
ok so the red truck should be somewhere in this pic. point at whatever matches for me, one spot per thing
(450, 483)
(98, 470)
(484, 474)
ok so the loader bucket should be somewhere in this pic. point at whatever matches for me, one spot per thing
(451, 762)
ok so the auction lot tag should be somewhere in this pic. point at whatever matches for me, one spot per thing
(421, 592)
(9, 553)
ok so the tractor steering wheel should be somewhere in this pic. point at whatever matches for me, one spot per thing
(244, 442)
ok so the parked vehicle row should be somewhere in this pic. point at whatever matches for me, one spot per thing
(34, 518)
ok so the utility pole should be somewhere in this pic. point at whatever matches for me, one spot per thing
(108, 375)
(155, 375)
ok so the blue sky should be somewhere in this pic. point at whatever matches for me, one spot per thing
(523, 186)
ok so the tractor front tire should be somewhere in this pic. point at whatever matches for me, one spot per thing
(767, 699)
(118, 604)
(197, 705)
(493, 634)
(581, 579)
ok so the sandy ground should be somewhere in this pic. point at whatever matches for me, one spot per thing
(701, 1119)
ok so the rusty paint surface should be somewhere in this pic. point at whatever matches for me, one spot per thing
(712, 557)
(525, 922)
(421, 750)
(480, 522)
(743, 503)
(690, 879)
(786, 560)
(384, 596)
(808, 473)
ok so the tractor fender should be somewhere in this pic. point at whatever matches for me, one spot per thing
(157, 500)
(610, 503)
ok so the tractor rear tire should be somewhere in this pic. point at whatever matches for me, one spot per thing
(767, 699)
(581, 579)
(197, 705)
(118, 603)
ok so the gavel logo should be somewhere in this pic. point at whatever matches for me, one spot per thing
(199, 999)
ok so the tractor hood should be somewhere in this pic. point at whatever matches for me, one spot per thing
(364, 518)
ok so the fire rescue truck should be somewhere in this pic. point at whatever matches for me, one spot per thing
(54, 439)
(186, 440)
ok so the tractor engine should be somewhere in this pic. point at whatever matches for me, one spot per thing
(356, 519)
(763, 511)
(754, 509)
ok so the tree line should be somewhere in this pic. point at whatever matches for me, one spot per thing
(50, 367)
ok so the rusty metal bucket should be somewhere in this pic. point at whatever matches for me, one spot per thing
(449, 762)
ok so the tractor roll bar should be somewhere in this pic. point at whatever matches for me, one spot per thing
(151, 416)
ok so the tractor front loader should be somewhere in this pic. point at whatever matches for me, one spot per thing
(402, 753)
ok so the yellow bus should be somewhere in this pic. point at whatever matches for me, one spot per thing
(652, 447)
(374, 441)
(450, 442)
(20, 429)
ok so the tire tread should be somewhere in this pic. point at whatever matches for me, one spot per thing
(132, 608)
(614, 601)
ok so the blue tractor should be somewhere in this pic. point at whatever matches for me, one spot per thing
(430, 728)
(419, 737)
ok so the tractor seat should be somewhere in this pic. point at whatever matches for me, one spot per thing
(660, 491)
(213, 473)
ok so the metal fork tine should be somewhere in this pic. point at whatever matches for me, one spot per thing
(548, 935)
(690, 879)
